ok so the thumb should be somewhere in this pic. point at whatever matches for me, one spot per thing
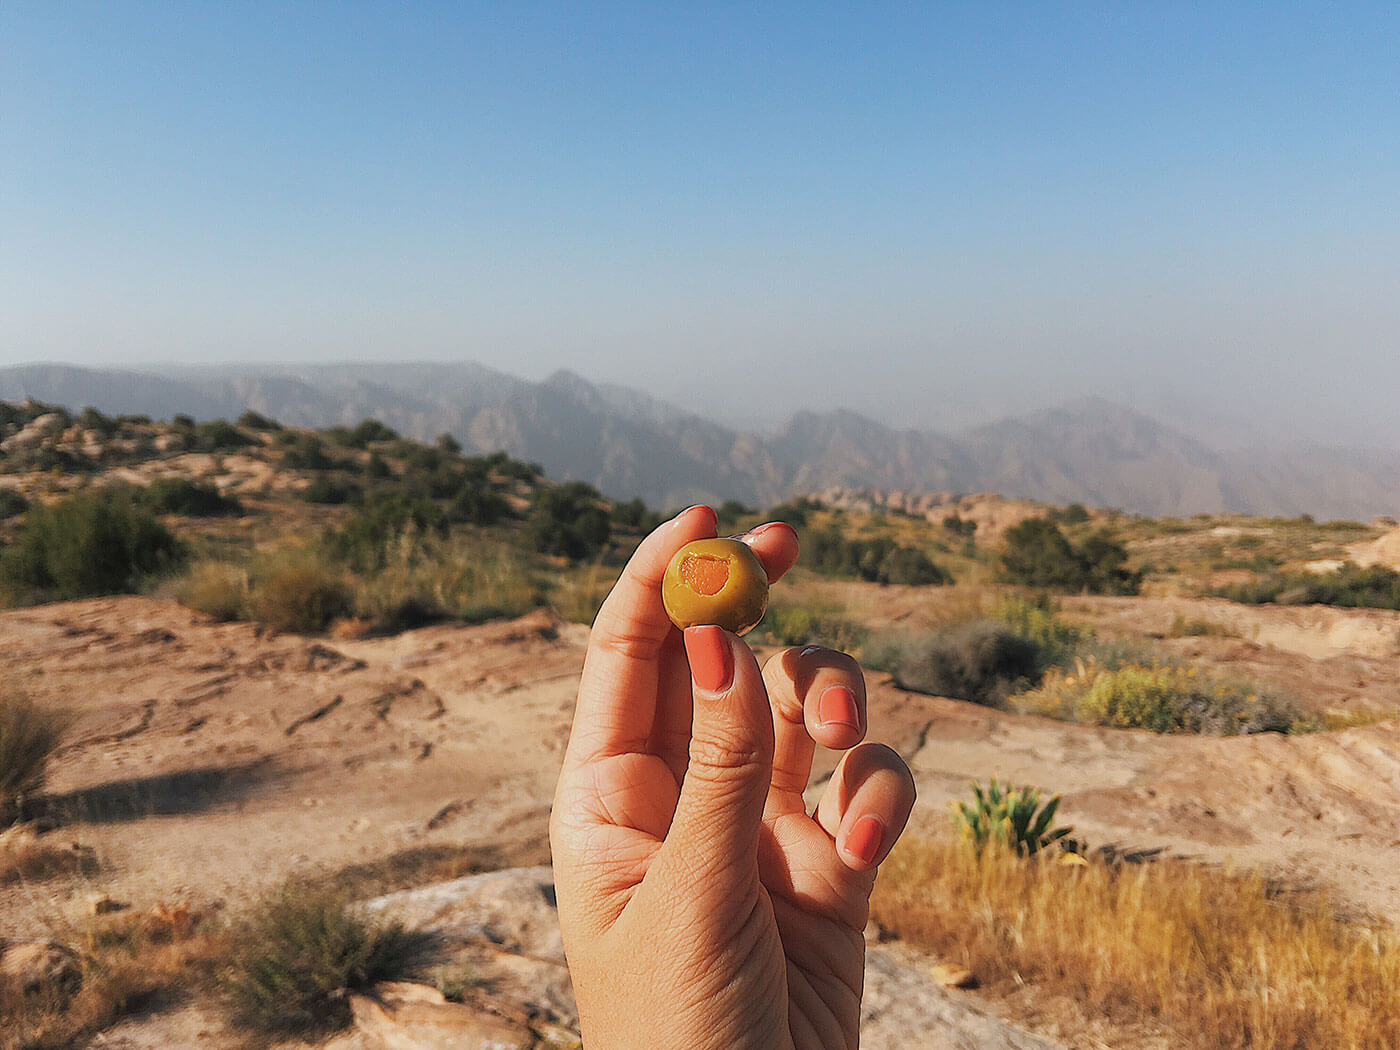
(714, 833)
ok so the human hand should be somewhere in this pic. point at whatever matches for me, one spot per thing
(701, 905)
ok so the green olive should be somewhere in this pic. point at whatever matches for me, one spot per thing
(715, 581)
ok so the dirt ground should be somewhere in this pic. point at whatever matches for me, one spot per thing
(208, 761)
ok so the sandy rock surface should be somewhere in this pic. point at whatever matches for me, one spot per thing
(208, 761)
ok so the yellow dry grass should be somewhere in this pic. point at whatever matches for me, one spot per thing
(1223, 960)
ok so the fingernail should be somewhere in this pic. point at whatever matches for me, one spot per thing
(759, 530)
(714, 518)
(865, 838)
(711, 660)
(837, 707)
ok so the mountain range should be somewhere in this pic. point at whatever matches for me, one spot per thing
(630, 444)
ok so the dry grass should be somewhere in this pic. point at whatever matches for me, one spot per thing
(1184, 628)
(29, 733)
(126, 966)
(27, 859)
(1224, 960)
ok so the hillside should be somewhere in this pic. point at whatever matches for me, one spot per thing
(629, 445)
(356, 661)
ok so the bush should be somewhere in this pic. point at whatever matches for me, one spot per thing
(251, 420)
(569, 520)
(1164, 699)
(476, 503)
(1036, 553)
(1351, 586)
(331, 490)
(362, 435)
(878, 560)
(795, 512)
(363, 542)
(981, 661)
(301, 598)
(306, 452)
(182, 496)
(29, 734)
(1039, 622)
(809, 625)
(217, 589)
(220, 435)
(89, 544)
(12, 503)
(297, 952)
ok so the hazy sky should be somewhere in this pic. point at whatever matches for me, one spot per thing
(918, 210)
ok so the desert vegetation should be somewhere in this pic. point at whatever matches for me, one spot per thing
(1166, 949)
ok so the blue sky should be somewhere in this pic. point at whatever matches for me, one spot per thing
(929, 212)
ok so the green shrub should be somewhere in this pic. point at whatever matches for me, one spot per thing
(306, 452)
(91, 419)
(1011, 818)
(219, 435)
(183, 496)
(89, 544)
(12, 503)
(785, 624)
(795, 512)
(1036, 553)
(1164, 699)
(1351, 586)
(365, 540)
(960, 527)
(302, 598)
(476, 503)
(376, 468)
(568, 519)
(251, 420)
(1039, 621)
(983, 662)
(879, 560)
(297, 953)
(331, 490)
(29, 734)
(217, 589)
(363, 434)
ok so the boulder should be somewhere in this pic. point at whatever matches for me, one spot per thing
(36, 965)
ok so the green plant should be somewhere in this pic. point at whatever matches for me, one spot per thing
(93, 543)
(569, 520)
(983, 662)
(1010, 817)
(301, 597)
(29, 733)
(1163, 698)
(789, 624)
(298, 951)
(1039, 621)
(1036, 553)
(217, 589)
(12, 503)
(183, 496)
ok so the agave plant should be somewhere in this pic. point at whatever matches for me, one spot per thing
(1009, 816)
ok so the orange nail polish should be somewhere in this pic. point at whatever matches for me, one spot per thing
(865, 838)
(711, 660)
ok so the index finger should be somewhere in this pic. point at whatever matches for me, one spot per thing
(618, 691)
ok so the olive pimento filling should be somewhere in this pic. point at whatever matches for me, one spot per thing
(703, 574)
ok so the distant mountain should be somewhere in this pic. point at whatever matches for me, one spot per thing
(630, 444)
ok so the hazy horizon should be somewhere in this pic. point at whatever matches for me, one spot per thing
(932, 217)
